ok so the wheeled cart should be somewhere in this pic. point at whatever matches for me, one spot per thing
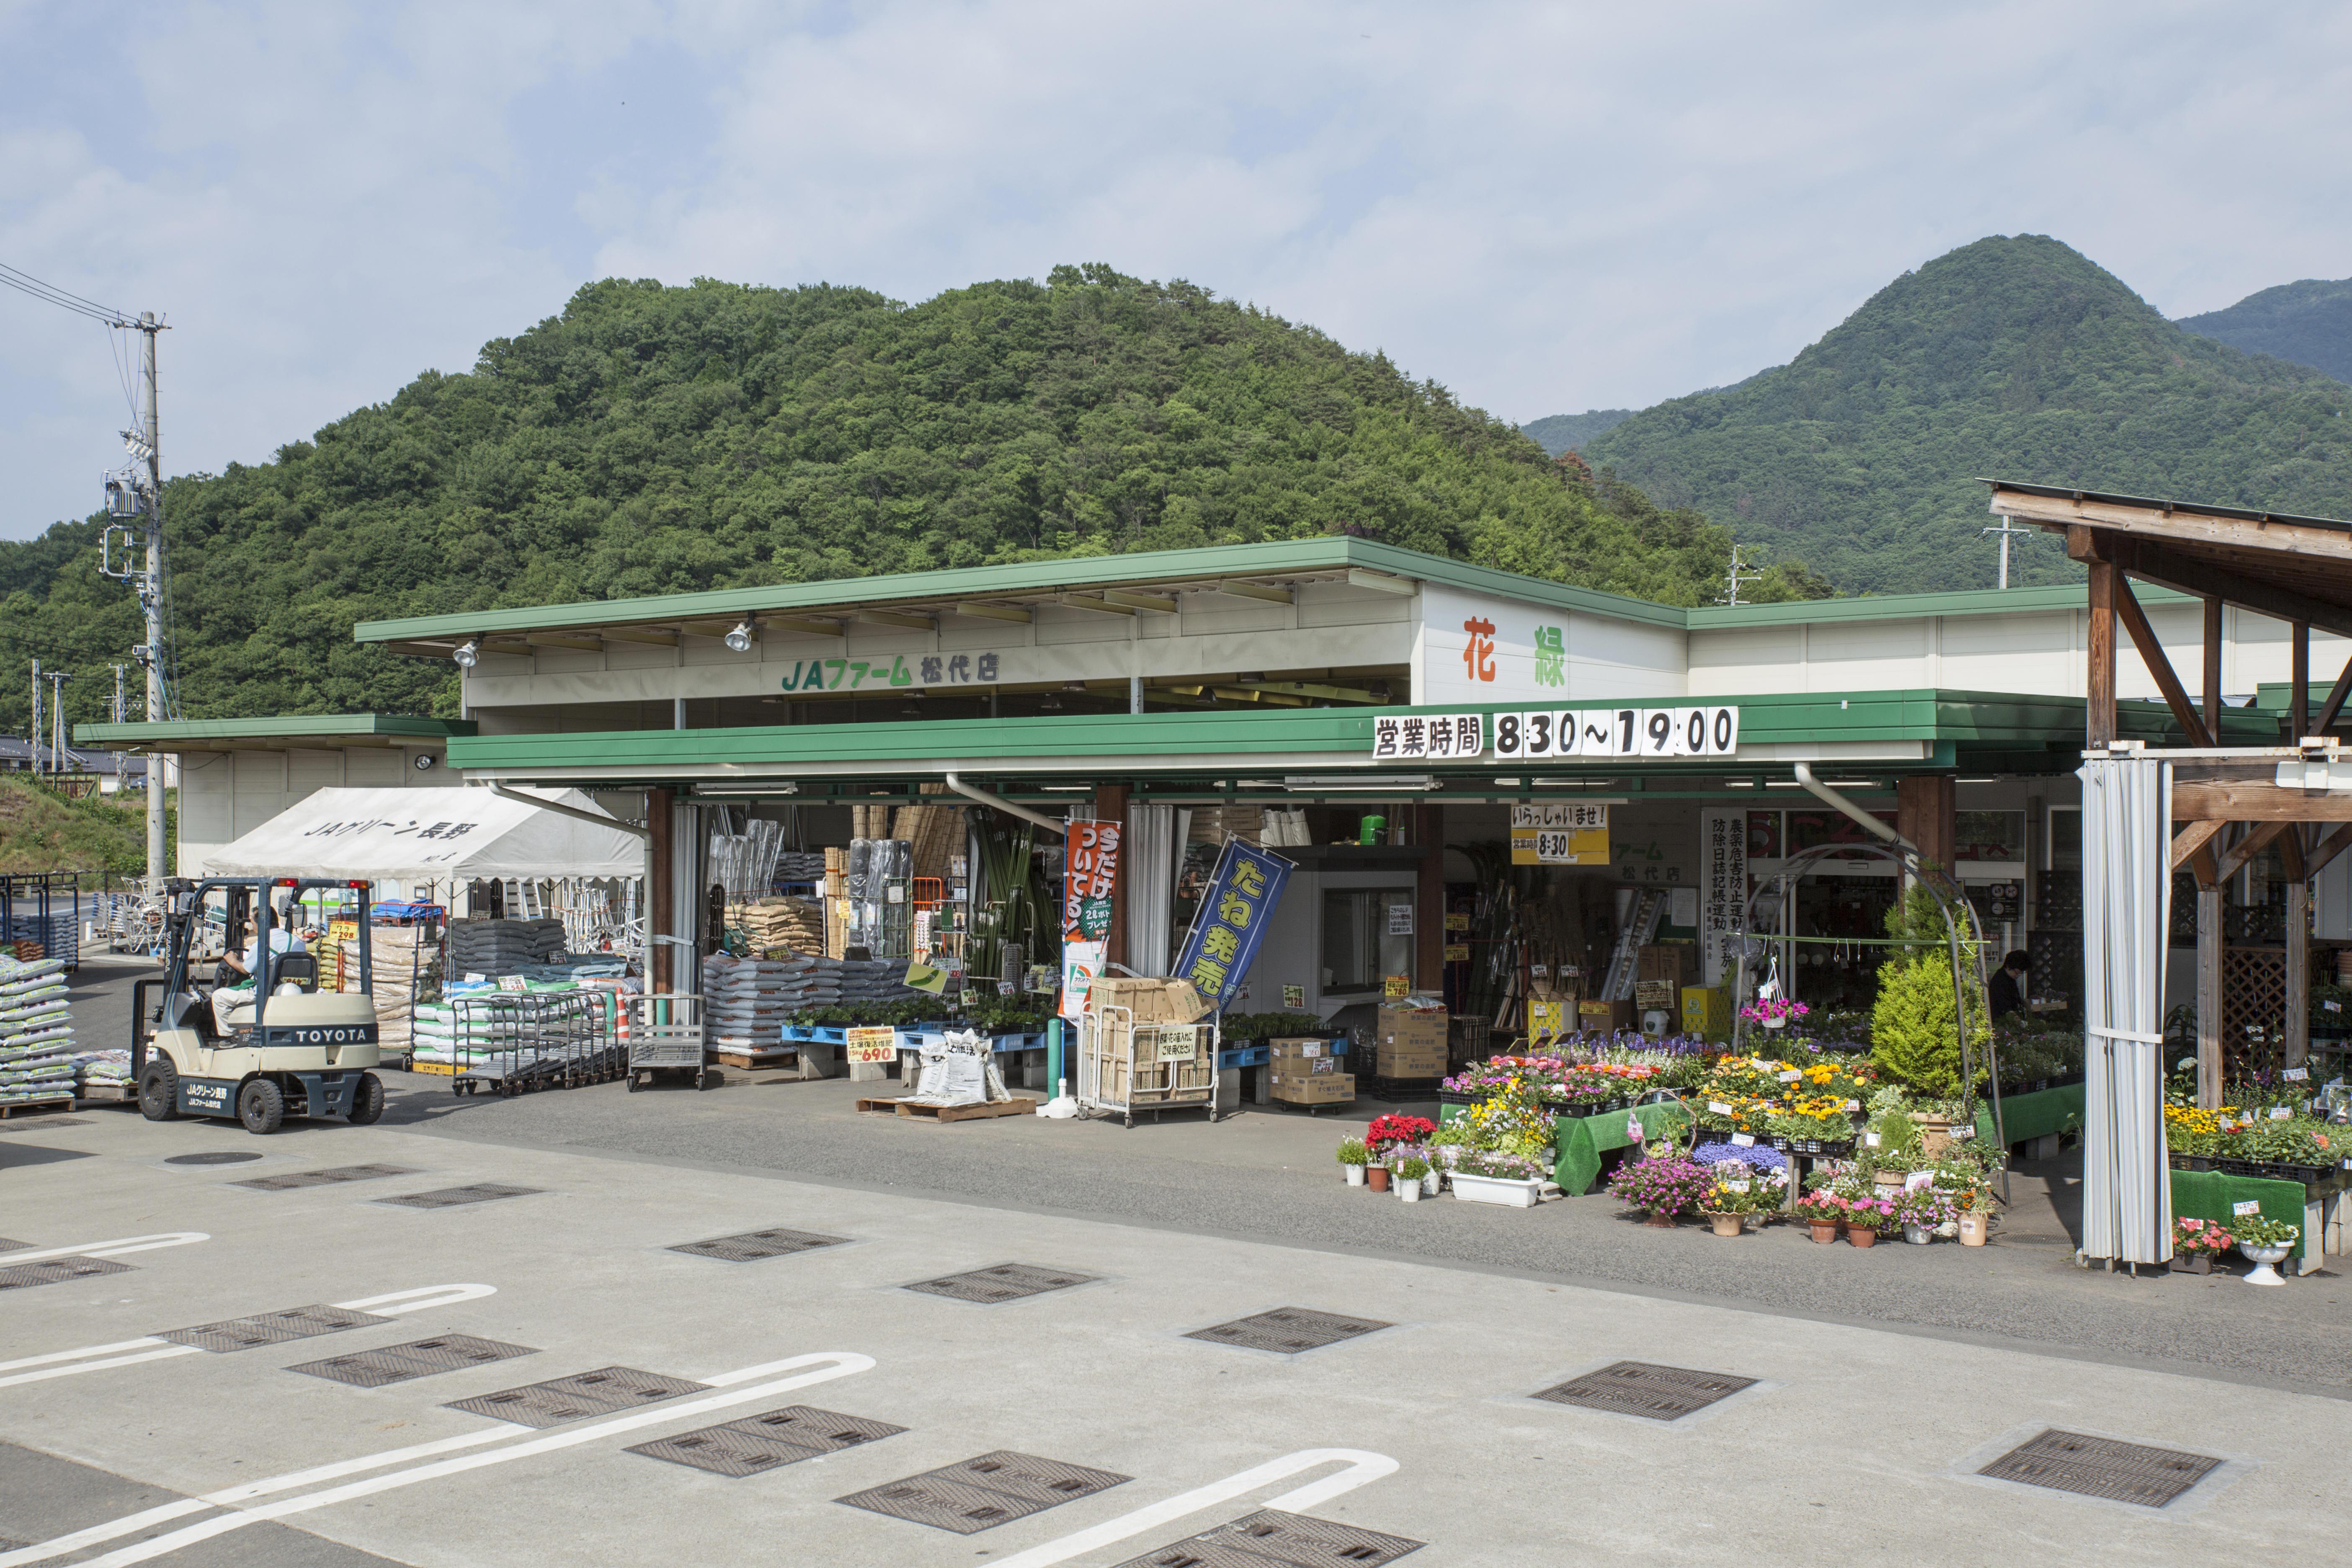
(668, 1034)
(1125, 1067)
(520, 1041)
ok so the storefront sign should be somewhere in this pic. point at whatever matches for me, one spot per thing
(1429, 737)
(1723, 886)
(1236, 909)
(1617, 732)
(1090, 878)
(1294, 997)
(1400, 920)
(871, 1045)
(1177, 1042)
(1560, 834)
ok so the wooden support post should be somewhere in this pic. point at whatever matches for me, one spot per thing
(2334, 703)
(2299, 966)
(2300, 709)
(1429, 898)
(2209, 998)
(1111, 806)
(659, 913)
(1924, 815)
(2213, 669)
(2152, 655)
(2099, 719)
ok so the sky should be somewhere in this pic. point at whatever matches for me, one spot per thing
(1545, 208)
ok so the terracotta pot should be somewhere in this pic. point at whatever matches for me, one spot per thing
(1727, 1224)
(1861, 1235)
(1976, 1228)
(1377, 1178)
(1663, 1221)
(1825, 1231)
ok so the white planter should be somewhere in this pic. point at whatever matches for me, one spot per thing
(1355, 1175)
(2263, 1257)
(1920, 1233)
(1409, 1191)
(1432, 1183)
(1511, 1194)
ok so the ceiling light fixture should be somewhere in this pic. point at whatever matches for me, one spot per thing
(469, 654)
(738, 640)
(1391, 781)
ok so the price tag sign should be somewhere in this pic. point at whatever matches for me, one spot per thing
(1718, 1107)
(1294, 997)
(871, 1045)
(1851, 1106)
(1792, 1076)
(2297, 1073)
(1744, 1139)
(1396, 987)
(2282, 1113)
(1870, 1139)
(1963, 1134)
(1735, 1186)
(1917, 1178)
(2250, 1206)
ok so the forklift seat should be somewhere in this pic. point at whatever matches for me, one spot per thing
(299, 968)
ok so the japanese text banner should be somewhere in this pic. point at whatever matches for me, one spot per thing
(1234, 913)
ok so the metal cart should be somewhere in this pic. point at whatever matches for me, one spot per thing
(1117, 1077)
(668, 1035)
(545, 1040)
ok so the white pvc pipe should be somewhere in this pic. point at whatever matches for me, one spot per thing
(998, 801)
(1829, 797)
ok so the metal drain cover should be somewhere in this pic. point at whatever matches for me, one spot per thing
(423, 1358)
(215, 1159)
(2103, 1468)
(1288, 1330)
(451, 1197)
(1271, 1539)
(979, 1494)
(323, 1178)
(1006, 1282)
(754, 1245)
(1642, 1388)
(270, 1327)
(763, 1442)
(34, 1123)
(562, 1399)
(8, 1246)
(53, 1271)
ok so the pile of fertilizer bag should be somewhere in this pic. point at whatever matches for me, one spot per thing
(36, 1050)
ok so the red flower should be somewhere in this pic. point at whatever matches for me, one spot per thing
(1388, 1131)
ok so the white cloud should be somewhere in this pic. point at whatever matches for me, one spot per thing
(1545, 206)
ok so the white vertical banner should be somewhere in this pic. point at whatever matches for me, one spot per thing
(2126, 913)
(1723, 886)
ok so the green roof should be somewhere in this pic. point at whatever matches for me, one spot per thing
(1327, 553)
(165, 734)
(1981, 731)
(1905, 607)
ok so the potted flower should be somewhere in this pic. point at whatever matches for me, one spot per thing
(1822, 1213)
(1389, 1130)
(1866, 1217)
(1376, 1175)
(2197, 1242)
(1773, 1012)
(1662, 1187)
(1352, 1158)
(1728, 1204)
(1920, 1210)
(1410, 1172)
(2264, 1243)
(1975, 1221)
(1494, 1176)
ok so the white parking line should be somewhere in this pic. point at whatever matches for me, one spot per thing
(417, 1300)
(825, 1365)
(107, 1248)
(1362, 1466)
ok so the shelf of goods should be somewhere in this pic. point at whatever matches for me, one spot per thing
(1143, 1048)
(37, 1034)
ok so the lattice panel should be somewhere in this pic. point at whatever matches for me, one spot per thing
(2253, 1011)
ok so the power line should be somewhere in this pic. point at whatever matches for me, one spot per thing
(25, 283)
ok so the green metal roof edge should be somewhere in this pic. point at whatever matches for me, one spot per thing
(1324, 553)
(148, 732)
(1920, 714)
(1907, 606)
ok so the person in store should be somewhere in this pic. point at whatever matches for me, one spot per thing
(2007, 988)
(282, 938)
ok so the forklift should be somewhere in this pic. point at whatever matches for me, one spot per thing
(277, 1048)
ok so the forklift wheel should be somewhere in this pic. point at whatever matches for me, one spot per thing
(261, 1106)
(159, 1091)
(709, 1079)
(367, 1101)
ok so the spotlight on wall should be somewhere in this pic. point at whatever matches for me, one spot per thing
(469, 654)
(740, 639)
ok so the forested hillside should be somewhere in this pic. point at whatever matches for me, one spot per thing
(2012, 357)
(2309, 323)
(1566, 431)
(654, 440)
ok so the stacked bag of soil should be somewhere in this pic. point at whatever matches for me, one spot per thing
(36, 1050)
(491, 948)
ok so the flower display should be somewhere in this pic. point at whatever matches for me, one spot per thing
(1499, 1165)
(1821, 1207)
(1869, 1213)
(2256, 1231)
(1773, 1012)
(1927, 1206)
(1386, 1131)
(1761, 1158)
(1661, 1186)
(2207, 1235)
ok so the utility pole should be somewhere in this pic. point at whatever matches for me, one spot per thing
(2007, 531)
(34, 732)
(58, 732)
(150, 594)
(1735, 577)
(117, 710)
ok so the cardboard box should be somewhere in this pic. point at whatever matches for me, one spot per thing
(1707, 1011)
(1658, 995)
(1410, 1042)
(1323, 1088)
(1151, 1001)
(1604, 1015)
(1300, 1048)
(1157, 1083)
(1669, 962)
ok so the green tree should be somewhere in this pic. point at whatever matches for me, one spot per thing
(1914, 1026)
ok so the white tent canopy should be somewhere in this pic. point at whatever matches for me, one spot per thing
(443, 835)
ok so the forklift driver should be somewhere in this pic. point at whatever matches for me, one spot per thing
(233, 1005)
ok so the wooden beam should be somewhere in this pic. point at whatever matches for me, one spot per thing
(575, 645)
(1134, 601)
(1359, 578)
(2209, 998)
(2151, 561)
(1258, 591)
(896, 618)
(2151, 654)
(2212, 667)
(1081, 601)
(2299, 709)
(2298, 972)
(2099, 682)
(639, 634)
(2247, 848)
(1016, 614)
(805, 625)
(2334, 703)
(2192, 838)
(2316, 859)
(2252, 801)
(2334, 544)
(2289, 848)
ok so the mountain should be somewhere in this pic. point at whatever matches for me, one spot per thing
(2014, 358)
(657, 440)
(2309, 323)
(1566, 431)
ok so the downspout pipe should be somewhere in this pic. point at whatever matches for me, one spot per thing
(597, 817)
(1830, 799)
(971, 792)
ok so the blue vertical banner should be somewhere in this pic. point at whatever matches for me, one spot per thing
(1230, 923)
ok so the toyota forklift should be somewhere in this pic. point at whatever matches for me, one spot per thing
(277, 1048)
